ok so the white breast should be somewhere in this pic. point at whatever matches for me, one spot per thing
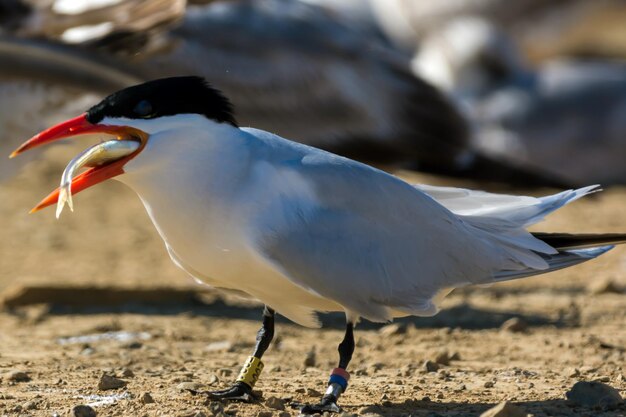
(202, 194)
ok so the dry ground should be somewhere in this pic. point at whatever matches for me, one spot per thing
(573, 332)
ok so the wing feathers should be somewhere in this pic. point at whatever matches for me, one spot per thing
(521, 210)
(380, 247)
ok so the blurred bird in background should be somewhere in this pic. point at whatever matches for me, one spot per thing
(299, 70)
(565, 117)
(543, 28)
(543, 83)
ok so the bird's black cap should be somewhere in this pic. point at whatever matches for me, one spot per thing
(165, 97)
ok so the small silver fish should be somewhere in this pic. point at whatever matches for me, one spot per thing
(97, 155)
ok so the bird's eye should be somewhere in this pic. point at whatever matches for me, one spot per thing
(143, 108)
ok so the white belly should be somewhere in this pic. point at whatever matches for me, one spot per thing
(218, 255)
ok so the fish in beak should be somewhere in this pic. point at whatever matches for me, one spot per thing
(104, 160)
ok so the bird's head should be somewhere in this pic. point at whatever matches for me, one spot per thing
(134, 114)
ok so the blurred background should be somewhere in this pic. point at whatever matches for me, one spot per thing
(516, 97)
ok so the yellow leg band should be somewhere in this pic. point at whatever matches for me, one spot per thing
(250, 371)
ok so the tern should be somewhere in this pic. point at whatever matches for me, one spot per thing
(300, 229)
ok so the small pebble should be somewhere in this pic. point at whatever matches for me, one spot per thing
(264, 414)
(146, 398)
(189, 386)
(443, 358)
(134, 345)
(489, 384)
(128, 373)
(594, 394)
(83, 411)
(430, 366)
(29, 405)
(215, 407)
(310, 360)
(110, 382)
(17, 376)
(514, 325)
(587, 369)
(406, 371)
(275, 403)
(504, 409)
(88, 351)
(221, 346)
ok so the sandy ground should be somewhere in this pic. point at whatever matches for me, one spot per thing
(574, 331)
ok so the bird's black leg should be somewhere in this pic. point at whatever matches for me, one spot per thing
(242, 388)
(339, 377)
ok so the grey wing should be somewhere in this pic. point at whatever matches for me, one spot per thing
(371, 243)
(466, 202)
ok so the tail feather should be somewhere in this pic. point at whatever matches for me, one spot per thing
(561, 260)
(572, 249)
(566, 241)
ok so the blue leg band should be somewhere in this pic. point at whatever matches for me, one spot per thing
(338, 379)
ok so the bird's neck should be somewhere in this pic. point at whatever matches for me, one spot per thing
(187, 178)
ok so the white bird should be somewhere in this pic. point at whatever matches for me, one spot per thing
(303, 230)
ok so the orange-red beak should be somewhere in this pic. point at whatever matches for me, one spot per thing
(92, 176)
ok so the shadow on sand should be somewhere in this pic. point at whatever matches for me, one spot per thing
(416, 408)
(168, 301)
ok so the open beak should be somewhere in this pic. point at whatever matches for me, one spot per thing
(94, 175)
